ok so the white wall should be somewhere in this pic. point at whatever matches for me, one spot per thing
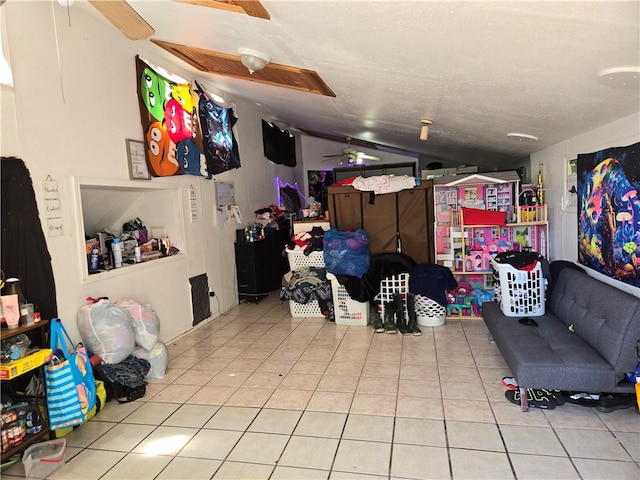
(563, 222)
(71, 119)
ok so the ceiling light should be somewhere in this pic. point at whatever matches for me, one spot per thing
(424, 131)
(253, 59)
(522, 137)
(620, 77)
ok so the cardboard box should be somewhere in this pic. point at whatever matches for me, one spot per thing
(25, 364)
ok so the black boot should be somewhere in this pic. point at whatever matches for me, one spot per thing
(411, 311)
(389, 315)
(401, 319)
(376, 320)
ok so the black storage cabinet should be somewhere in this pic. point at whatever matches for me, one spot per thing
(261, 265)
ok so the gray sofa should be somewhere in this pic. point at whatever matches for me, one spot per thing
(591, 356)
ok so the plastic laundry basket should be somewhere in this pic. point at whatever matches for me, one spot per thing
(298, 260)
(519, 292)
(429, 313)
(390, 286)
(346, 310)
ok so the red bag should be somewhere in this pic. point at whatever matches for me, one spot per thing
(475, 216)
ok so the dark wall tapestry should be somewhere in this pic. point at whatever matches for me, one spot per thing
(185, 132)
(319, 180)
(609, 212)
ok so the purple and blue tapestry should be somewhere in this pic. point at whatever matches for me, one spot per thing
(609, 212)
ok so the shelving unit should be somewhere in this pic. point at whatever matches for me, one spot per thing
(466, 247)
(16, 378)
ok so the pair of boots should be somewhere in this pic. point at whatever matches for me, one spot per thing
(394, 318)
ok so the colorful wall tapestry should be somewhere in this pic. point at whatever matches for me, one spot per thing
(609, 212)
(184, 131)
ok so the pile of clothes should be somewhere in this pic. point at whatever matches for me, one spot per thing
(308, 282)
(311, 241)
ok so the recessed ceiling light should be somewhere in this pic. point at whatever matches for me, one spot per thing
(522, 137)
(620, 77)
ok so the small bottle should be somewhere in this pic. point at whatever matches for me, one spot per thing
(95, 256)
(116, 248)
(12, 301)
(138, 254)
(12, 287)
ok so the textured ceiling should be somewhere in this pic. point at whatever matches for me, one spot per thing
(478, 69)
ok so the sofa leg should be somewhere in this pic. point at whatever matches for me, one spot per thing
(524, 401)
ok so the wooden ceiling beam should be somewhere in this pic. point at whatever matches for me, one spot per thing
(252, 8)
(124, 18)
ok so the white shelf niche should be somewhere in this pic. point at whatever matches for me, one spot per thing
(106, 204)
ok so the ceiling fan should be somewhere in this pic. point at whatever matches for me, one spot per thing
(352, 156)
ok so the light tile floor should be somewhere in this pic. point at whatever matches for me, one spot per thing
(258, 394)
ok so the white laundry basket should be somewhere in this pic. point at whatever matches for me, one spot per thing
(429, 313)
(297, 260)
(346, 310)
(519, 292)
(390, 286)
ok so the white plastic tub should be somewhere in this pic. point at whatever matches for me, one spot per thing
(42, 459)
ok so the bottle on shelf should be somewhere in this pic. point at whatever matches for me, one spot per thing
(95, 258)
(12, 300)
(116, 248)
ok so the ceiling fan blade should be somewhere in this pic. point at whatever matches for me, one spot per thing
(366, 156)
(252, 8)
(334, 155)
(124, 18)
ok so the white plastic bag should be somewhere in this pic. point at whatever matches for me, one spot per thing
(146, 324)
(158, 357)
(106, 330)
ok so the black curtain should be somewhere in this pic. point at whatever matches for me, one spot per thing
(278, 145)
(23, 251)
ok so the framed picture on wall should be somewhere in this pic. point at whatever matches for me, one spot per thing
(138, 169)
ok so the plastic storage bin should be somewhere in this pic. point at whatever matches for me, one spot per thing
(519, 292)
(42, 459)
(297, 260)
(346, 310)
(429, 313)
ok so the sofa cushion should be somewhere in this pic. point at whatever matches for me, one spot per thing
(549, 355)
(605, 317)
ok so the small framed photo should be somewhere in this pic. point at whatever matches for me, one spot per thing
(138, 169)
